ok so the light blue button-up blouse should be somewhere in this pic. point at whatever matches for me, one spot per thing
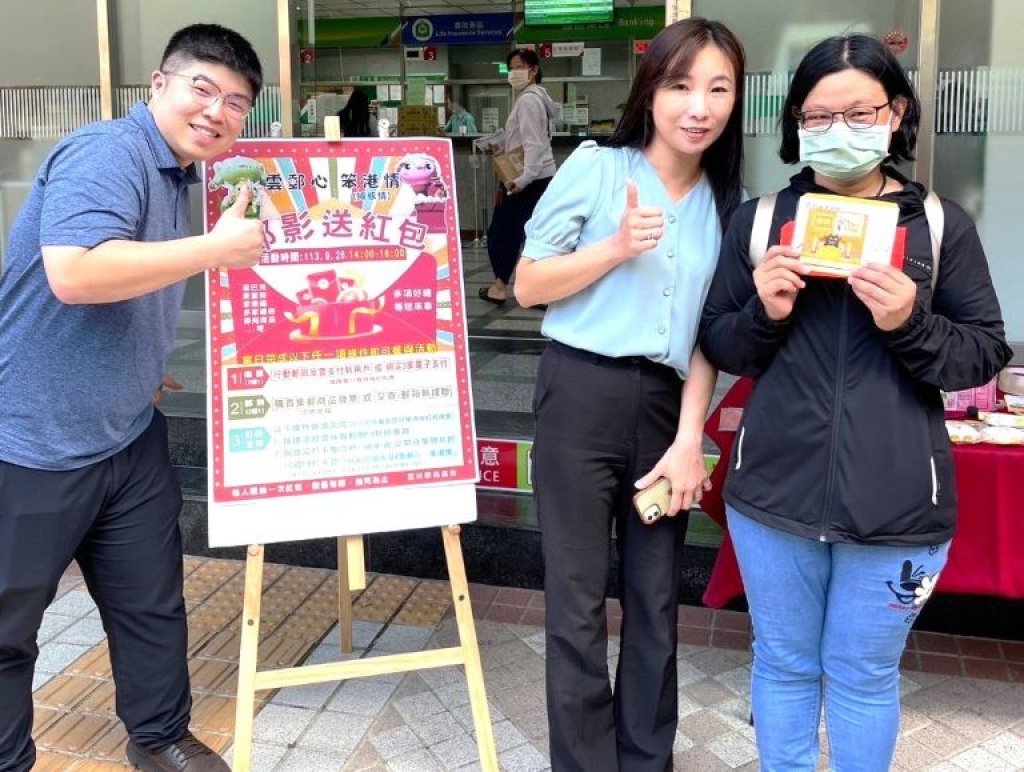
(650, 305)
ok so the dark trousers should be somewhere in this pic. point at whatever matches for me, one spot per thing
(119, 519)
(602, 424)
(505, 235)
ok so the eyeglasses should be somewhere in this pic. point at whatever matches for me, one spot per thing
(207, 93)
(857, 118)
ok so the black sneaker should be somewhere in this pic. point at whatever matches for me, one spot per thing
(188, 754)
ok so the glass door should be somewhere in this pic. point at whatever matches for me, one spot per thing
(979, 137)
(776, 35)
(42, 97)
(139, 33)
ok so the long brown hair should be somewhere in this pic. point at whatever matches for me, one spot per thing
(668, 60)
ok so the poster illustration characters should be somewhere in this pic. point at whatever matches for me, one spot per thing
(339, 362)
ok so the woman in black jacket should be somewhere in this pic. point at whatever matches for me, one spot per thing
(841, 498)
(355, 115)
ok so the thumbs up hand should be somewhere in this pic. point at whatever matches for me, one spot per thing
(239, 239)
(641, 227)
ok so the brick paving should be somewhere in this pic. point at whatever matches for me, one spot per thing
(963, 697)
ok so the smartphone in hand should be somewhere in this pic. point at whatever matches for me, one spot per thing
(652, 502)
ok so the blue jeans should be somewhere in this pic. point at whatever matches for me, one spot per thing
(830, 621)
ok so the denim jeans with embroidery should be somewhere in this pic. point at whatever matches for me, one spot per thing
(830, 625)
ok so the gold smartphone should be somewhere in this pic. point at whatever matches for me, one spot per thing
(652, 502)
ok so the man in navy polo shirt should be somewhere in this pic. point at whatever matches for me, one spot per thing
(89, 300)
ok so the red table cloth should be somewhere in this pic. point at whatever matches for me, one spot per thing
(986, 558)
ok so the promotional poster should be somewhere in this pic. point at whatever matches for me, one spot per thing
(338, 366)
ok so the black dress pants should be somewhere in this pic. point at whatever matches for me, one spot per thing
(119, 519)
(506, 233)
(601, 424)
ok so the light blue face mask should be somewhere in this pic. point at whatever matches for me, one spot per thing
(843, 154)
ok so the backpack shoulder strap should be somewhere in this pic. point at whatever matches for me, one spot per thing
(762, 228)
(936, 223)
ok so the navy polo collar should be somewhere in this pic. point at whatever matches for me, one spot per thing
(165, 159)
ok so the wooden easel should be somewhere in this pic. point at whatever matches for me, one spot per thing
(352, 576)
(466, 654)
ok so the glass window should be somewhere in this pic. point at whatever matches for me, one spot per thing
(140, 32)
(42, 97)
(980, 134)
(776, 35)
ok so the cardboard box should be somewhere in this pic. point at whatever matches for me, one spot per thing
(508, 166)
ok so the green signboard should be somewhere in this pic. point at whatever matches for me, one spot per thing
(383, 32)
(568, 11)
(364, 32)
(640, 23)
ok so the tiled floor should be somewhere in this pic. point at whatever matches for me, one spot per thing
(963, 698)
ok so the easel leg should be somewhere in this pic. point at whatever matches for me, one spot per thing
(351, 576)
(344, 598)
(470, 649)
(247, 658)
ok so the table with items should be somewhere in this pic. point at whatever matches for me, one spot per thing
(986, 556)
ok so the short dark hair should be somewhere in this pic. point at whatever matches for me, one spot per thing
(530, 59)
(856, 52)
(217, 45)
(668, 60)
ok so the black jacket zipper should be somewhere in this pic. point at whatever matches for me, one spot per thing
(837, 406)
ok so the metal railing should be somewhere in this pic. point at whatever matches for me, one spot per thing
(981, 100)
(38, 112)
(45, 112)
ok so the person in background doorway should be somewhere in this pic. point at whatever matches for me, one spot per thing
(528, 126)
(89, 299)
(355, 115)
(841, 497)
(622, 247)
(461, 120)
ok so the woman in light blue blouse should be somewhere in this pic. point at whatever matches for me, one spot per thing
(622, 247)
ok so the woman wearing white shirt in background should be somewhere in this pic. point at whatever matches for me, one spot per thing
(528, 125)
